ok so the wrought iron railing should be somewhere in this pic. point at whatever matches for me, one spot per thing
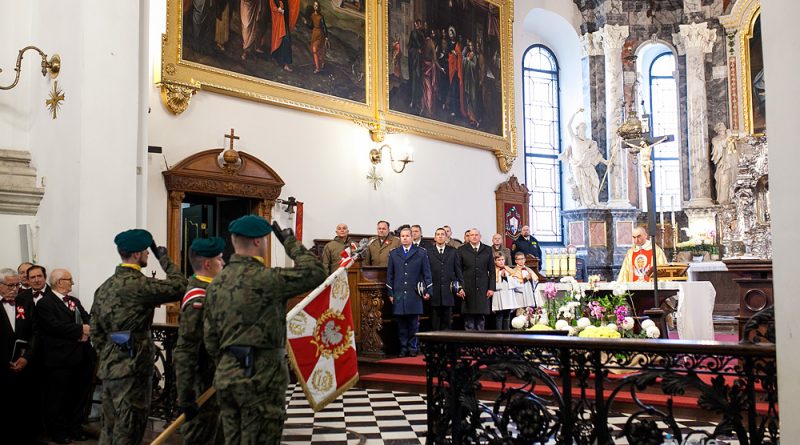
(547, 388)
(165, 394)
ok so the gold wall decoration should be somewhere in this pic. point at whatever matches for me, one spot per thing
(745, 61)
(363, 69)
(56, 96)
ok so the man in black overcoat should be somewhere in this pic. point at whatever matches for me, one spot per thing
(67, 358)
(18, 342)
(446, 277)
(477, 267)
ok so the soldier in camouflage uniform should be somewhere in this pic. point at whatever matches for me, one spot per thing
(193, 366)
(122, 316)
(245, 330)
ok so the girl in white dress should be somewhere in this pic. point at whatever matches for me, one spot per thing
(504, 301)
(528, 278)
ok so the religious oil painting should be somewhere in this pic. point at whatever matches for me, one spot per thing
(308, 54)
(448, 68)
(444, 62)
(755, 73)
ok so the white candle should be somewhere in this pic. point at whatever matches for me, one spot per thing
(548, 262)
(562, 266)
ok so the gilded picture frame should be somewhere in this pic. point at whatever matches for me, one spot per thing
(753, 76)
(354, 80)
(249, 62)
(483, 30)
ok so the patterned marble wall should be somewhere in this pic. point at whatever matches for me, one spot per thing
(663, 24)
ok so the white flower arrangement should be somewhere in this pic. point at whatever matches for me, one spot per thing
(584, 323)
(562, 324)
(652, 331)
(619, 289)
(611, 326)
(628, 323)
(648, 323)
(519, 322)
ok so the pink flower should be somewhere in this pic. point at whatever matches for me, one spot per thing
(550, 290)
(596, 310)
(621, 312)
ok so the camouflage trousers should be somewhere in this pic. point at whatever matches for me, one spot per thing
(206, 428)
(126, 403)
(250, 418)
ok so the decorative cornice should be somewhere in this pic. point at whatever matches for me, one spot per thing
(220, 186)
(19, 194)
(592, 44)
(695, 36)
(613, 36)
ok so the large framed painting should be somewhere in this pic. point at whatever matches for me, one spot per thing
(755, 93)
(441, 69)
(449, 71)
(307, 54)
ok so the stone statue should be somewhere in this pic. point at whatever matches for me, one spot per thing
(582, 156)
(726, 158)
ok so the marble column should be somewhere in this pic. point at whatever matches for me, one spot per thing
(613, 38)
(594, 92)
(696, 40)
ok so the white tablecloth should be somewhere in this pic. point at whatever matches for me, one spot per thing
(695, 304)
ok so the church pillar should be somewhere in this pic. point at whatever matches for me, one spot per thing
(593, 92)
(612, 38)
(696, 40)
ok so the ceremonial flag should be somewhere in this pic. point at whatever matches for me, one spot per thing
(321, 337)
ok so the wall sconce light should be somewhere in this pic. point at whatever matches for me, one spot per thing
(398, 165)
(53, 66)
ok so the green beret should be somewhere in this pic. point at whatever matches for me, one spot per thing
(208, 247)
(251, 226)
(134, 240)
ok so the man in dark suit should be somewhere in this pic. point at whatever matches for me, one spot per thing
(67, 358)
(22, 272)
(37, 284)
(408, 265)
(477, 267)
(444, 272)
(18, 341)
(527, 244)
(416, 238)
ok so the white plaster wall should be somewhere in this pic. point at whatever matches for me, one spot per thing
(324, 162)
(555, 25)
(86, 158)
(783, 114)
(15, 104)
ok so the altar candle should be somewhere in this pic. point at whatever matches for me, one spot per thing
(562, 266)
(571, 264)
(548, 262)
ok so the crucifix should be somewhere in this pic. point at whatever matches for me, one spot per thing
(644, 144)
(232, 137)
(229, 160)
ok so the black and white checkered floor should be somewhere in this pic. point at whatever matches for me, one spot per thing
(372, 417)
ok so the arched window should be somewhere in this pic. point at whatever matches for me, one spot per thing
(664, 119)
(542, 139)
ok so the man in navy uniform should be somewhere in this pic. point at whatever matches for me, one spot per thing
(527, 244)
(408, 265)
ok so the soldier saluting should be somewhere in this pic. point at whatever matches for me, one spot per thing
(245, 330)
(122, 316)
(193, 366)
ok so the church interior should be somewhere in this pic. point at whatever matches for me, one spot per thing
(592, 122)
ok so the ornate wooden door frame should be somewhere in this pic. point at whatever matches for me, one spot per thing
(201, 173)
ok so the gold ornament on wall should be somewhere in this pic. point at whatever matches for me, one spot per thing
(229, 160)
(54, 102)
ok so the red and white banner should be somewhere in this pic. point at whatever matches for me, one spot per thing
(321, 339)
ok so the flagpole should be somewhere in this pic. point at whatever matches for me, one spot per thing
(170, 430)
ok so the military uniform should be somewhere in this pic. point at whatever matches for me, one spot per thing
(378, 250)
(194, 368)
(331, 254)
(245, 323)
(125, 303)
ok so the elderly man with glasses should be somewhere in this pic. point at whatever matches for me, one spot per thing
(18, 342)
(67, 357)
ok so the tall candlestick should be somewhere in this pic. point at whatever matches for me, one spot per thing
(562, 265)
